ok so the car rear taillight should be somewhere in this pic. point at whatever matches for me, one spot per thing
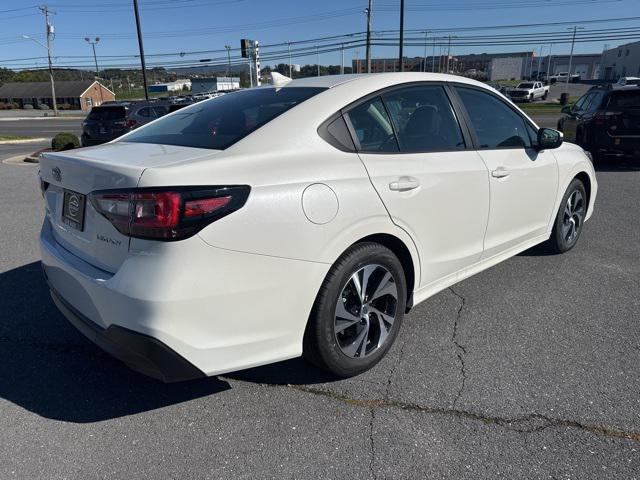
(167, 213)
(131, 123)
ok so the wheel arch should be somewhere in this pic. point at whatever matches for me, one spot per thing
(400, 250)
(586, 181)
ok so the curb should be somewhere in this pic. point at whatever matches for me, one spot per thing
(19, 160)
(24, 140)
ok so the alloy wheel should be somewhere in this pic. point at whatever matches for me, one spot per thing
(573, 217)
(365, 311)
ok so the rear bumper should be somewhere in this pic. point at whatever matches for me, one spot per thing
(139, 352)
(218, 310)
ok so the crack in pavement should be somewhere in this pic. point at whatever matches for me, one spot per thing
(393, 370)
(530, 423)
(460, 349)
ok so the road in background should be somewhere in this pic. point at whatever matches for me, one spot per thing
(527, 370)
(40, 127)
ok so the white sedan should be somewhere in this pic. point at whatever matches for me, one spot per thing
(304, 218)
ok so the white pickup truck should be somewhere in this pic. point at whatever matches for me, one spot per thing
(528, 92)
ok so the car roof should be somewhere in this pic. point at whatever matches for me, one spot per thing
(385, 79)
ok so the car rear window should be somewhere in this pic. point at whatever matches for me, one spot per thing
(626, 99)
(220, 122)
(107, 113)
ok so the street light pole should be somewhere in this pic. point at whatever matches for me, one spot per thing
(433, 56)
(95, 59)
(342, 59)
(141, 46)
(289, 44)
(318, 59)
(424, 58)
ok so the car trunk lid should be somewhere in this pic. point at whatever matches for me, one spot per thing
(72, 175)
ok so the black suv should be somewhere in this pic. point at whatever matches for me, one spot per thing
(605, 122)
(109, 121)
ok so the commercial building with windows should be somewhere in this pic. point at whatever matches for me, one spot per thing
(214, 84)
(72, 95)
(622, 61)
(177, 86)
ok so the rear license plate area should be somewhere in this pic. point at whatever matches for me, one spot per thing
(73, 207)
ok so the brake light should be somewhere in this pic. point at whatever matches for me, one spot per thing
(130, 123)
(167, 214)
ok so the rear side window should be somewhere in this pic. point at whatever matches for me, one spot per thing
(496, 124)
(107, 113)
(625, 99)
(220, 122)
(424, 120)
(372, 126)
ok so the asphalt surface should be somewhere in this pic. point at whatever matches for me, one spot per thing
(527, 370)
(40, 127)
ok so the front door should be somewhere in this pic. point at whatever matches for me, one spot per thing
(523, 181)
(433, 186)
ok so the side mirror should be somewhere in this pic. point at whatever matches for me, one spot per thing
(566, 109)
(549, 138)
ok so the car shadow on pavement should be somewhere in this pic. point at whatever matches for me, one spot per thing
(49, 368)
(617, 165)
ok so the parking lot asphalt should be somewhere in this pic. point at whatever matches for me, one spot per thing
(527, 370)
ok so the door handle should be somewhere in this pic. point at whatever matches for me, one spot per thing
(404, 184)
(500, 172)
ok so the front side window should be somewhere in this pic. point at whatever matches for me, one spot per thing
(372, 127)
(220, 122)
(496, 124)
(424, 120)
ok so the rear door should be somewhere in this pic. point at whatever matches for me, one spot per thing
(523, 181)
(432, 185)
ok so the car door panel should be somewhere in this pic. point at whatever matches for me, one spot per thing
(523, 181)
(433, 187)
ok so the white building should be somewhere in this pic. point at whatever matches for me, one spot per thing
(214, 84)
(622, 61)
(176, 86)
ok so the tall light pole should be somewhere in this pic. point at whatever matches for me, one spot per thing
(368, 12)
(573, 42)
(93, 45)
(228, 47)
(400, 53)
(318, 59)
(539, 63)
(289, 45)
(342, 59)
(95, 59)
(141, 47)
(448, 54)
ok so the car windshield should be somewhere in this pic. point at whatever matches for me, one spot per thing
(525, 85)
(219, 123)
(107, 113)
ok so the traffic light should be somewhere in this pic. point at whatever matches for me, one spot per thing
(245, 47)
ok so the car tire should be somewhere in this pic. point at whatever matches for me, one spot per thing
(569, 219)
(546, 94)
(345, 335)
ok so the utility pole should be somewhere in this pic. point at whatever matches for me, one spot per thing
(228, 47)
(289, 44)
(539, 63)
(424, 58)
(368, 12)
(573, 42)
(448, 54)
(549, 70)
(318, 59)
(531, 65)
(49, 32)
(342, 59)
(433, 56)
(400, 53)
(141, 46)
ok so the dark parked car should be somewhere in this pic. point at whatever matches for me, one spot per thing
(108, 122)
(605, 122)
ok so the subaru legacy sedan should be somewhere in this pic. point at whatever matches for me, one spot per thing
(301, 218)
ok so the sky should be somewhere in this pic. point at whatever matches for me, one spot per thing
(175, 26)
